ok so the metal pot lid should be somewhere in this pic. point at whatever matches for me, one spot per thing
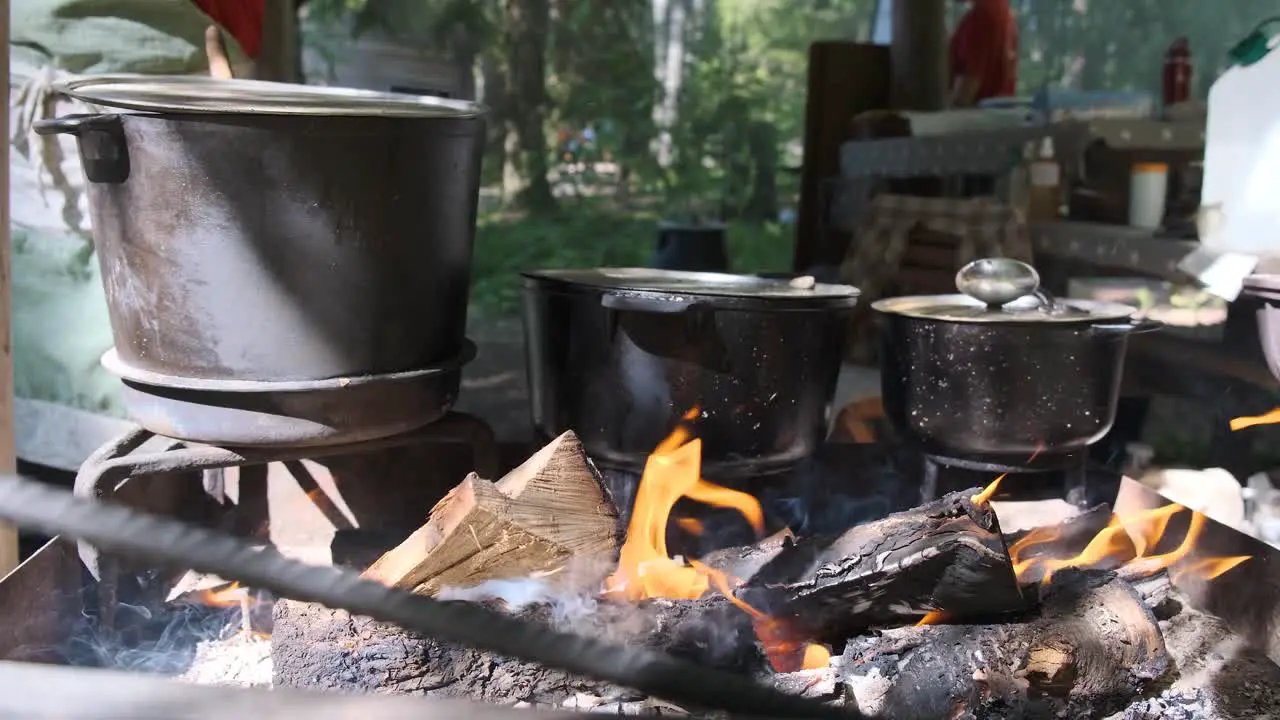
(702, 284)
(201, 94)
(963, 308)
(1002, 290)
(1268, 282)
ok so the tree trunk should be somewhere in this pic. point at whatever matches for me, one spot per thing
(464, 49)
(762, 202)
(526, 23)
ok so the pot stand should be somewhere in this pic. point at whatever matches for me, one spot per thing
(940, 475)
(334, 411)
(115, 462)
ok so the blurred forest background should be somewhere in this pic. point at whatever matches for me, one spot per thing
(611, 115)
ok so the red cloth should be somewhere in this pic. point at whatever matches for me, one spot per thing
(241, 18)
(985, 46)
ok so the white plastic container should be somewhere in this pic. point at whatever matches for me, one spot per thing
(1148, 188)
(1242, 158)
(1045, 177)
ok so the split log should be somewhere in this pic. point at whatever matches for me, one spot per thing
(318, 648)
(742, 562)
(533, 522)
(1092, 647)
(947, 555)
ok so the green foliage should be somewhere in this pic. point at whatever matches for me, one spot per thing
(739, 112)
(593, 235)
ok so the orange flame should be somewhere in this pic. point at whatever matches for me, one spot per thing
(1208, 568)
(693, 526)
(1140, 533)
(1270, 418)
(646, 570)
(933, 617)
(232, 595)
(786, 652)
(981, 498)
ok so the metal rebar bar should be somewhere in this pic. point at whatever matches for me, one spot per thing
(120, 529)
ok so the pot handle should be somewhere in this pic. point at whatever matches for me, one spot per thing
(1135, 325)
(642, 303)
(76, 124)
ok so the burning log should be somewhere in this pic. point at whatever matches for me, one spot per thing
(947, 555)
(532, 522)
(742, 562)
(1094, 642)
(315, 647)
(1032, 550)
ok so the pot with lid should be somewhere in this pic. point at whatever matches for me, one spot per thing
(263, 240)
(1262, 295)
(1002, 372)
(619, 355)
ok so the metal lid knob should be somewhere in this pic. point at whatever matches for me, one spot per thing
(997, 281)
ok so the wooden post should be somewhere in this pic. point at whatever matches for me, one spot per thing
(845, 78)
(8, 455)
(918, 55)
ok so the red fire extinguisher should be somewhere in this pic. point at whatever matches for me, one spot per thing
(1177, 72)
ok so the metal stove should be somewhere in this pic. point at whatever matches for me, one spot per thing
(1065, 476)
(388, 478)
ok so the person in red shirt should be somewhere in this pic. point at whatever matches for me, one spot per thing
(984, 53)
(241, 18)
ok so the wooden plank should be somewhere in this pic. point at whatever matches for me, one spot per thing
(40, 602)
(8, 456)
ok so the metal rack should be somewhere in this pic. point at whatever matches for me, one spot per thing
(994, 151)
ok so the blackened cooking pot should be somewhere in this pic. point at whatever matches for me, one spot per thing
(619, 355)
(992, 384)
(267, 232)
(1262, 292)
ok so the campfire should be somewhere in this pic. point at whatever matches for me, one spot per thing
(930, 612)
(934, 611)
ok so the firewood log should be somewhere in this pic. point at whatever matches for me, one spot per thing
(1092, 646)
(947, 555)
(545, 518)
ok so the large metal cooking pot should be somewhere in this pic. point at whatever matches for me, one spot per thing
(259, 238)
(619, 355)
(991, 378)
(272, 232)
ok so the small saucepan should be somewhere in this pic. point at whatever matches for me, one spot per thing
(1003, 372)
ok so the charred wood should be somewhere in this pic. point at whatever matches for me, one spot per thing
(1092, 645)
(742, 562)
(947, 555)
(319, 648)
